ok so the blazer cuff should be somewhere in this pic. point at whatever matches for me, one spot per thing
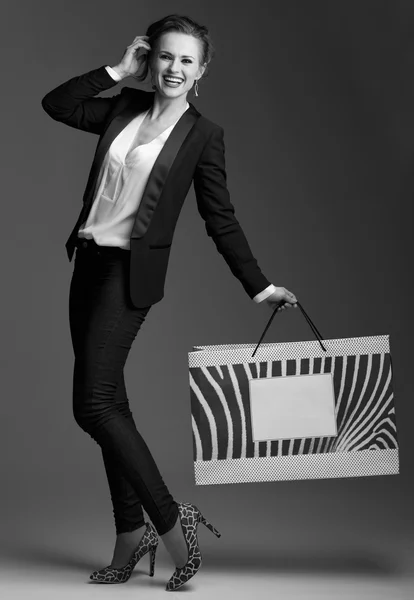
(265, 293)
(113, 74)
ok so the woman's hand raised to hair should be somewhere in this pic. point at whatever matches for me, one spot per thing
(283, 297)
(131, 62)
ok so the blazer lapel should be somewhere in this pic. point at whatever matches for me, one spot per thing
(160, 170)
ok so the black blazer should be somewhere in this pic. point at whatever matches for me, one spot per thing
(193, 152)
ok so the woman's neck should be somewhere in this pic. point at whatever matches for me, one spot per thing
(166, 108)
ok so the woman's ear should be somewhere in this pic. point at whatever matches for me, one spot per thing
(201, 70)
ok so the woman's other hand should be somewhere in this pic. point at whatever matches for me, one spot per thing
(283, 297)
(131, 62)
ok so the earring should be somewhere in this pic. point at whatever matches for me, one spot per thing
(196, 88)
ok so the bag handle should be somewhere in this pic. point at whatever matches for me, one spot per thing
(308, 319)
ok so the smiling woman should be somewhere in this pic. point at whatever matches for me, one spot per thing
(152, 146)
(177, 64)
(194, 46)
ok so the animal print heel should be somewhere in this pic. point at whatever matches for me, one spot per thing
(190, 517)
(148, 543)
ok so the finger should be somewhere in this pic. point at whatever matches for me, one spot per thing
(139, 44)
(134, 48)
(138, 41)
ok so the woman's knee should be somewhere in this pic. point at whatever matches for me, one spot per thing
(91, 410)
(85, 408)
(82, 415)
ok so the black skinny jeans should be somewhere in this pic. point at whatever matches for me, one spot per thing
(103, 325)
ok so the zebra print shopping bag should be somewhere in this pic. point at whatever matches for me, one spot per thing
(296, 410)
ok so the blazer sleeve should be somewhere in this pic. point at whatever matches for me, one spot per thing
(215, 207)
(73, 102)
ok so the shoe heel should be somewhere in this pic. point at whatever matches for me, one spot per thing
(153, 551)
(209, 526)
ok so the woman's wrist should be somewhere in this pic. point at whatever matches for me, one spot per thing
(120, 72)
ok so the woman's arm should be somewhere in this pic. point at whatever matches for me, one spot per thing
(73, 102)
(214, 206)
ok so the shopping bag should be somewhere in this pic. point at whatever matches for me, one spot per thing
(293, 410)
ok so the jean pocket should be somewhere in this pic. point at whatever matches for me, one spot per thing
(159, 247)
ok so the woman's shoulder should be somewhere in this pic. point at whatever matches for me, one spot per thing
(134, 93)
(209, 129)
(209, 126)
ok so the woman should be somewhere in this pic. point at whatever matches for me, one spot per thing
(151, 147)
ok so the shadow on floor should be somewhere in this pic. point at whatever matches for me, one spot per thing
(332, 563)
(49, 558)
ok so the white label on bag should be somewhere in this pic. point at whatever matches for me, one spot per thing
(294, 406)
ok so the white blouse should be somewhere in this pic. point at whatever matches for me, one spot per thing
(120, 186)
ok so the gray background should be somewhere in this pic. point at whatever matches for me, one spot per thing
(316, 100)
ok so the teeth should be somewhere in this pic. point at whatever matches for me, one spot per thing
(172, 79)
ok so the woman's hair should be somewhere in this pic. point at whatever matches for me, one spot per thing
(182, 25)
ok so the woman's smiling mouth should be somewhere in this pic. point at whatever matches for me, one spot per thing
(172, 81)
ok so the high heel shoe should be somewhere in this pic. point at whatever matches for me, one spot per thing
(190, 517)
(148, 543)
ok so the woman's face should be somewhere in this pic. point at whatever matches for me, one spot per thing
(175, 64)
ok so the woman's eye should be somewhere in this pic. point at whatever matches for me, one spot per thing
(167, 57)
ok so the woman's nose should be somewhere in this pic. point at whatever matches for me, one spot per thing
(175, 65)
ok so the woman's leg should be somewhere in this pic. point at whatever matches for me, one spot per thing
(110, 326)
(127, 507)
